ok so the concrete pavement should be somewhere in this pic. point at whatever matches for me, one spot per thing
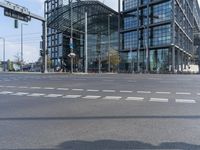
(104, 112)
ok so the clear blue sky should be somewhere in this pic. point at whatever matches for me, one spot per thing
(32, 32)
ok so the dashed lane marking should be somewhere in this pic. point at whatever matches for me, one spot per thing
(163, 92)
(36, 95)
(23, 87)
(53, 95)
(107, 91)
(185, 101)
(5, 92)
(49, 88)
(125, 91)
(35, 87)
(112, 98)
(10, 86)
(144, 92)
(183, 93)
(90, 90)
(134, 99)
(159, 100)
(77, 89)
(72, 96)
(20, 94)
(91, 97)
(62, 89)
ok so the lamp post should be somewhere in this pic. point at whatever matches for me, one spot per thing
(71, 38)
(109, 39)
(4, 54)
(22, 46)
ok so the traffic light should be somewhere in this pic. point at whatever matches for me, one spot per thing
(16, 24)
(41, 52)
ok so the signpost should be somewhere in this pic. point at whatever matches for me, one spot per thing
(21, 13)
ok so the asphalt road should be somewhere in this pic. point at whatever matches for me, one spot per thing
(99, 112)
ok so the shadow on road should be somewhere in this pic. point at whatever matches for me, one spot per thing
(110, 144)
(120, 145)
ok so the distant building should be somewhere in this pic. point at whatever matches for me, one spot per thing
(102, 33)
(158, 35)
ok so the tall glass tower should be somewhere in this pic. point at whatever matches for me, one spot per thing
(158, 35)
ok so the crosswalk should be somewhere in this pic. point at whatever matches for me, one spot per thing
(99, 97)
(100, 90)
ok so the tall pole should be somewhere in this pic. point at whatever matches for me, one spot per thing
(22, 46)
(44, 25)
(71, 39)
(147, 50)
(109, 42)
(86, 44)
(119, 26)
(4, 53)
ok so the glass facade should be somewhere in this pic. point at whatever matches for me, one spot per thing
(102, 35)
(154, 37)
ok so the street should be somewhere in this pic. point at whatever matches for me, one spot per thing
(99, 112)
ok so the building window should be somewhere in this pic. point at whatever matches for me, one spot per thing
(161, 35)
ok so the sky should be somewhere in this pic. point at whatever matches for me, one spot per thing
(32, 31)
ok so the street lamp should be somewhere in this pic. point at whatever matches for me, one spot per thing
(71, 38)
(4, 54)
(109, 39)
(146, 47)
(22, 46)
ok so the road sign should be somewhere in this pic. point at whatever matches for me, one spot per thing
(16, 15)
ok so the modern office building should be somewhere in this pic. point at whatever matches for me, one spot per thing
(67, 20)
(158, 35)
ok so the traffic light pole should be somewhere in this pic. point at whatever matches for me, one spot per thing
(21, 12)
(44, 26)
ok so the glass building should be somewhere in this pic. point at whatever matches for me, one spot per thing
(158, 35)
(102, 34)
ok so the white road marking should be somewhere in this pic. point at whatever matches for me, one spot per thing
(72, 96)
(23, 87)
(10, 86)
(134, 99)
(1, 86)
(77, 89)
(198, 93)
(185, 101)
(111, 91)
(20, 94)
(183, 93)
(144, 92)
(91, 97)
(159, 100)
(49, 88)
(5, 92)
(36, 95)
(35, 87)
(163, 92)
(125, 91)
(53, 95)
(62, 89)
(90, 90)
(112, 98)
